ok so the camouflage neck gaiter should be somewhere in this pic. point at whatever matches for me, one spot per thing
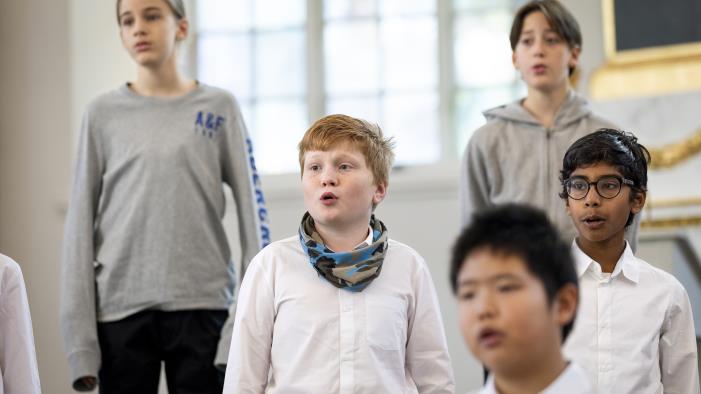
(352, 270)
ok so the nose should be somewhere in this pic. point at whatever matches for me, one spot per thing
(539, 47)
(329, 177)
(139, 27)
(486, 307)
(592, 199)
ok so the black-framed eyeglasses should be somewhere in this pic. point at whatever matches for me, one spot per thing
(609, 186)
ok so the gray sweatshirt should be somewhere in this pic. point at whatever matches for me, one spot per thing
(144, 224)
(513, 158)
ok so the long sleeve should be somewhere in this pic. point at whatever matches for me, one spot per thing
(473, 192)
(18, 364)
(678, 353)
(241, 175)
(427, 355)
(251, 344)
(78, 305)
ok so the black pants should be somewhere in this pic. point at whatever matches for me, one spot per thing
(186, 341)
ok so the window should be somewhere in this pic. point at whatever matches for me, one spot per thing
(257, 50)
(392, 62)
(381, 62)
(484, 75)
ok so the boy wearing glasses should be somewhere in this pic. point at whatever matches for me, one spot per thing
(634, 330)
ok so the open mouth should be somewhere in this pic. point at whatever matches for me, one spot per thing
(489, 337)
(594, 221)
(328, 197)
(539, 68)
(142, 46)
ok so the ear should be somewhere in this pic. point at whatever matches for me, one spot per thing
(380, 192)
(574, 56)
(565, 304)
(638, 202)
(183, 27)
(513, 59)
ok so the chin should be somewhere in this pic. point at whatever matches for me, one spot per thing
(325, 219)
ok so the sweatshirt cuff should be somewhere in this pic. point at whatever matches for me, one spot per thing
(82, 364)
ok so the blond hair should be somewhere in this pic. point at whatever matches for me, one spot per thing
(334, 130)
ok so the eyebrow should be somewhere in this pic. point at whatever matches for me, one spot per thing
(127, 13)
(603, 176)
(340, 156)
(548, 30)
(472, 282)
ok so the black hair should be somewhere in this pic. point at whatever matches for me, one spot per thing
(613, 147)
(559, 18)
(523, 231)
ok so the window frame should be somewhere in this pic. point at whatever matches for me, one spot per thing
(448, 88)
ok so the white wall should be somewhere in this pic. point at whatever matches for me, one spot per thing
(98, 62)
(34, 161)
(588, 14)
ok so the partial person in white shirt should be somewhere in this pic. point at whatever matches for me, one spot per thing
(517, 299)
(635, 331)
(339, 307)
(18, 363)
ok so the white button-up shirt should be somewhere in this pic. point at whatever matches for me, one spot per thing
(18, 363)
(296, 333)
(573, 380)
(634, 331)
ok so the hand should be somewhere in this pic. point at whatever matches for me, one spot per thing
(86, 383)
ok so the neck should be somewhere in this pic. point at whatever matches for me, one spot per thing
(543, 105)
(532, 378)
(162, 81)
(606, 252)
(343, 240)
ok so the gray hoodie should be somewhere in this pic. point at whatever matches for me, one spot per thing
(143, 229)
(513, 158)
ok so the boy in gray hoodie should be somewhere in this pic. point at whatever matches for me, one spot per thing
(515, 156)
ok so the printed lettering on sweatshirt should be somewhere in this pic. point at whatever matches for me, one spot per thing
(209, 124)
(260, 200)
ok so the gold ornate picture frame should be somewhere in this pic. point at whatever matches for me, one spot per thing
(650, 70)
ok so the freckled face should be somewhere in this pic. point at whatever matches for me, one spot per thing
(339, 189)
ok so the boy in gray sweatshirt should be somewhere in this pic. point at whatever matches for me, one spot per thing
(147, 271)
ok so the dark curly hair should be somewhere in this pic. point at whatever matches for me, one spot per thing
(613, 147)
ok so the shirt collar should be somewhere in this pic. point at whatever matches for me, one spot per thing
(368, 240)
(626, 264)
(573, 377)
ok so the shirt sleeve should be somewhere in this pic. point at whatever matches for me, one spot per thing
(678, 353)
(78, 303)
(473, 191)
(241, 175)
(427, 355)
(252, 337)
(18, 363)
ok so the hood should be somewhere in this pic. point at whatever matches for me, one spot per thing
(574, 108)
